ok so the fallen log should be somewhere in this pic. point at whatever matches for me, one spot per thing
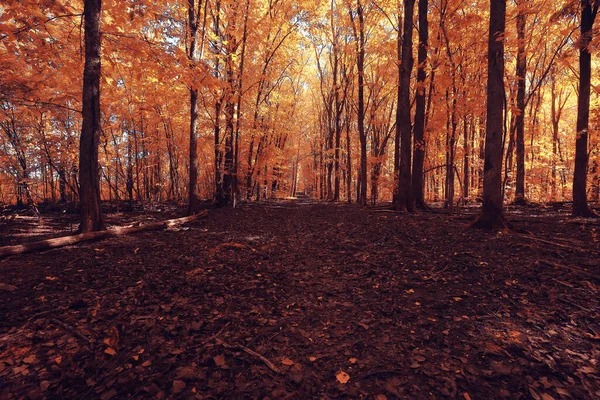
(95, 236)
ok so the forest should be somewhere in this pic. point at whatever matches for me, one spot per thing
(371, 199)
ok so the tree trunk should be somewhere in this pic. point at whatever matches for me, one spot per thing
(193, 193)
(89, 189)
(419, 126)
(520, 117)
(492, 216)
(403, 123)
(362, 196)
(580, 204)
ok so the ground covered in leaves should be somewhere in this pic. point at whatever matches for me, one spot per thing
(308, 300)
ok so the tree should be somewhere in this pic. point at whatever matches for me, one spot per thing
(492, 215)
(89, 179)
(420, 98)
(589, 11)
(193, 54)
(403, 124)
(520, 117)
(359, 36)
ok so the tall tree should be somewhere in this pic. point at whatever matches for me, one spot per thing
(492, 215)
(359, 36)
(589, 10)
(193, 50)
(403, 123)
(419, 125)
(520, 116)
(89, 179)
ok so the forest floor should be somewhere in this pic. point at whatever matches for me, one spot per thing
(304, 300)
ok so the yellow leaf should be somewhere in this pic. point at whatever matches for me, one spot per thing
(342, 377)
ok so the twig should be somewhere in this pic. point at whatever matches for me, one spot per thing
(582, 308)
(570, 268)
(72, 330)
(268, 363)
(555, 243)
(210, 339)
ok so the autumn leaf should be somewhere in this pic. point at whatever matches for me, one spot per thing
(178, 386)
(342, 377)
(287, 361)
(110, 351)
(220, 361)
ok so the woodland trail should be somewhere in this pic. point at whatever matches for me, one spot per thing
(289, 299)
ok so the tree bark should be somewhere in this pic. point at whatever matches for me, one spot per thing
(520, 117)
(492, 215)
(403, 123)
(580, 203)
(419, 126)
(362, 197)
(89, 189)
(193, 25)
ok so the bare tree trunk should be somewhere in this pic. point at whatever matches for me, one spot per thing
(193, 25)
(466, 166)
(362, 196)
(492, 215)
(89, 189)
(348, 160)
(403, 123)
(419, 126)
(520, 117)
(580, 203)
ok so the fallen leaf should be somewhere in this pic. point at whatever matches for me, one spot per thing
(312, 359)
(178, 386)
(44, 385)
(220, 361)
(108, 395)
(342, 377)
(381, 397)
(420, 358)
(187, 373)
(353, 360)
(466, 396)
(29, 360)
(287, 361)
(8, 288)
(58, 360)
(587, 370)
(147, 363)
(415, 365)
(563, 392)
(110, 351)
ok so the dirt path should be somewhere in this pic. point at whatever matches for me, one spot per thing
(405, 306)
